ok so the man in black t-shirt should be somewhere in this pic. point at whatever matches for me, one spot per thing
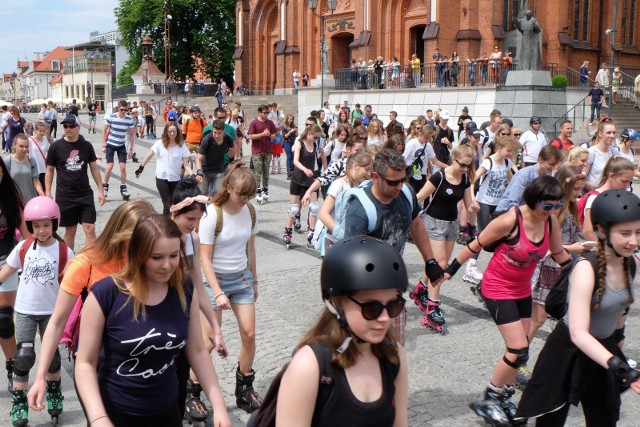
(73, 108)
(91, 111)
(210, 161)
(443, 139)
(596, 97)
(71, 157)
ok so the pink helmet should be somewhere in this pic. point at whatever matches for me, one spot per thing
(41, 207)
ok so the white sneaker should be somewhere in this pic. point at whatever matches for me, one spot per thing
(632, 363)
(472, 270)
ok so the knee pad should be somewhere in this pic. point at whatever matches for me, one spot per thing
(521, 359)
(7, 328)
(56, 363)
(25, 359)
(293, 210)
(314, 208)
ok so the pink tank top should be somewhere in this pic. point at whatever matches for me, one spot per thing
(508, 275)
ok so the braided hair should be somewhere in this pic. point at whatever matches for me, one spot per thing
(602, 276)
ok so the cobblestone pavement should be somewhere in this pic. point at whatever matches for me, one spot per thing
(445, 372)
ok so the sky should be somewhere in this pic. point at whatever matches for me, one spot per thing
(38, 26)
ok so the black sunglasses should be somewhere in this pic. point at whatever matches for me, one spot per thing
(505, 134)
(393, 183)
(373, 309)
(517, 134)
(464, 165)
(68, 126)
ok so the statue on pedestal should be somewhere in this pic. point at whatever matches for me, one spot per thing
(530, 55)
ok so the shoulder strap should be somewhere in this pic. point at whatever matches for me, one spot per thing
(324, 356)
(367, 205)
(252, 212)
(186, 125)
(216, 233)
(433, 195)
(25, 247)
(407, 193)
(39, 149)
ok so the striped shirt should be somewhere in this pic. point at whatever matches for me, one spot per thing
(118, 129)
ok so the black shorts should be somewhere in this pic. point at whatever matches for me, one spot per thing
(77, 211)
(296, 189)
(121, 150)
(505, 311)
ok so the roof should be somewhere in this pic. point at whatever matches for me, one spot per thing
(23, 64)
(55, 80)
(60, 53)
(152, 69)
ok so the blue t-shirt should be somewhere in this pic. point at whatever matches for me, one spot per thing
(596, 95)
(138, 375)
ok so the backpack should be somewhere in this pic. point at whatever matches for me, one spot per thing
(342, 202)
(218, 208)
(556, 303)
(62, 254)
(582, 203)
(266, 415)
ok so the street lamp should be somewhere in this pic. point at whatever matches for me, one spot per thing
(167, 45)
(612, 32)
(324, 66)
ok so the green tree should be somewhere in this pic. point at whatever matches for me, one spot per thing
(202, 36)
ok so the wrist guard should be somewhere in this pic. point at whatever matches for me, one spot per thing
(433, 270)
(453, 268)
(623, 372)
(199, 172)
(139, 171)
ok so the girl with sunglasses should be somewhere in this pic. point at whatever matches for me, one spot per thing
(228, 257)
(445, 189)
(617, 175)
(520, 238)
(582, 360)
(362, 280)
(572, 181)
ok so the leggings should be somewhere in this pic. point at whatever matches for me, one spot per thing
(149, 122)
(54, 129)
(166, 190)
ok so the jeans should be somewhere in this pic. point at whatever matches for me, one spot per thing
(296, 84)
(595, 110)
(287, 149)
(211, 183)
(261, 167)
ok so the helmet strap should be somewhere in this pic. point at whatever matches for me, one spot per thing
(608, 242)
(343, 323)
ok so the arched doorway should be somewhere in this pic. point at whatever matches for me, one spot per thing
(340, 51)
(417, 44)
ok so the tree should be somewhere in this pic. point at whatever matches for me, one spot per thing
(202, 35)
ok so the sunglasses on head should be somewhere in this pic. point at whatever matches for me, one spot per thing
(373, 309)
(68, 126)
(550, 206)
(464, 165)
(393, 183)
(246, 196)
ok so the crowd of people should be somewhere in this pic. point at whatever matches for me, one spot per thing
(153, 287)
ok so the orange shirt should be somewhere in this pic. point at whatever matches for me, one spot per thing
(193, 130)
(81, 272)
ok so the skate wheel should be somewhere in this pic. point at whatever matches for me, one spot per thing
(54, 420)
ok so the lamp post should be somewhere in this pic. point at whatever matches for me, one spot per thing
(324, 66)
(167, 45)
(612, 33)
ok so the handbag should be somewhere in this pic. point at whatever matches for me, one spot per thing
(71, 330)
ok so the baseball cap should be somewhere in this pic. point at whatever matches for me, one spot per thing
(534, 119)
(472, 129)
(444, 115)
(70, 118)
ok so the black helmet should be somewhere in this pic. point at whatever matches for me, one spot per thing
(195, 109)
(471, 126)
(614, 206)
(534, 119)
(361, 263)
(507, 122)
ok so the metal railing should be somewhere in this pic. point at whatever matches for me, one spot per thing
(576, 114)
(627, 88)
(446, 74)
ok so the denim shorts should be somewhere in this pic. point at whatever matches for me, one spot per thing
(439, 229)
(238, 287)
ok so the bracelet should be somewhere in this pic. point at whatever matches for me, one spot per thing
(96, 419)
(216, 296)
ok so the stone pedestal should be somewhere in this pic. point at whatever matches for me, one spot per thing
(329, 81)
(530, 93)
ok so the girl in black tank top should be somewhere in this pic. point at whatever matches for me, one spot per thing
(349, 370)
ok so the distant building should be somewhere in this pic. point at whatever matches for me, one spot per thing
(274, 37)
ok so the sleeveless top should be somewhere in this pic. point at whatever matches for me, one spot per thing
(308, 160)
(508, 275)
(343, 409)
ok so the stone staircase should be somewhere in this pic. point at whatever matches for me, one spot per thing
(250, 104)
(625, 115)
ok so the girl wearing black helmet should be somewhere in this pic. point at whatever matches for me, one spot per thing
(582, 360)
(362, 282)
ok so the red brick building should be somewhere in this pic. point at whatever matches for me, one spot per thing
(274, 37)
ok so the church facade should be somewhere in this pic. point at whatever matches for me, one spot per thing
(276, 37)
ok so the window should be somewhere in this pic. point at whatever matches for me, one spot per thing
(511, 7)
(581, 19)
(627, 33)
(55, 65)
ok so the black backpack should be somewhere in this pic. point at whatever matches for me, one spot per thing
(266, 415)
(556, 304)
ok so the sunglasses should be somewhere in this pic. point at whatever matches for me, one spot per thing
(550, 206)
(68, 126)
(124, 110)
(308, 125)
(246, 196)
(264, 112)
(418, 128)
(464, 165)
(505, 134)
(393, 183)
(517, 134)
(373, 309)
(536, 123)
